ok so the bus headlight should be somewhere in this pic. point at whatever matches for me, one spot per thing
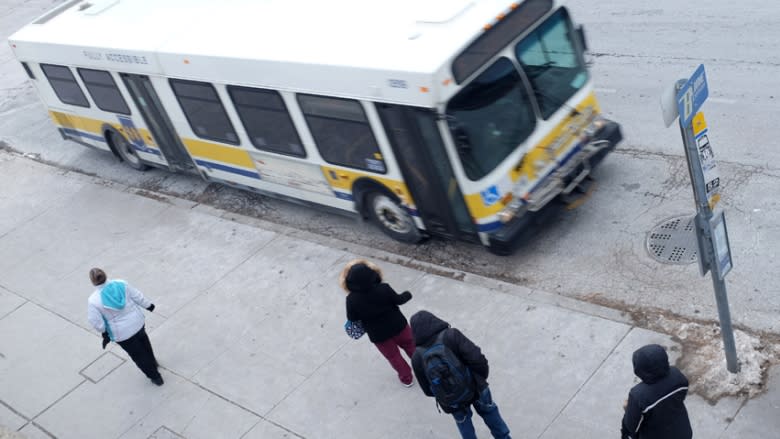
(595, 125)
(515, 208)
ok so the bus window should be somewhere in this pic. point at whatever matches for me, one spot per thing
(64, 84)
(342, 132)
(266, 120)
(551, 63)
(490, 117)
(204, 111)
(104, 92)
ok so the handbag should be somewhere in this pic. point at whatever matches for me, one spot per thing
(354, 329)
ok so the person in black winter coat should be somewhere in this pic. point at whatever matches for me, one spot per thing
(376, 305)
(426, 328)
(655, 408)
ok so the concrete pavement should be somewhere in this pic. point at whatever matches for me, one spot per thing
(248, 329)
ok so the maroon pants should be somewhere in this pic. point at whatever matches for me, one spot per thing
(389, 348)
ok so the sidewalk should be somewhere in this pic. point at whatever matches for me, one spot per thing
(248, 328)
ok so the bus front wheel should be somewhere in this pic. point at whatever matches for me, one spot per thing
(127, 152)
(392, 219)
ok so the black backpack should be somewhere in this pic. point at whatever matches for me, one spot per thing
(451, 381)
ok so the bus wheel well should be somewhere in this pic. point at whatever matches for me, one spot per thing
(123, 149)
(360, 190)
(108, 130)
(374, 201)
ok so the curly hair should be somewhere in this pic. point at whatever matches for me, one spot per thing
(352, 263)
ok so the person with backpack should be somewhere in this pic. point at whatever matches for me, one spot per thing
(655, 408)
(452, 369)
(115, 309)
(376, 305)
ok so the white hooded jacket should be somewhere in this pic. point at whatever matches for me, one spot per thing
(125, 317)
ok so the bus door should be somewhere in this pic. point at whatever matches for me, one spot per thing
(156, 119)
(418, 148)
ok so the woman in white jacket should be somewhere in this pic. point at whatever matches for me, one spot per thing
(115, 310)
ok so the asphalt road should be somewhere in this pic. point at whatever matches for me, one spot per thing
(596, 252)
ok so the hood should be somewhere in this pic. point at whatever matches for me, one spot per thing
(362, 278)
(113, 295)
(651, 363)
(425, 326)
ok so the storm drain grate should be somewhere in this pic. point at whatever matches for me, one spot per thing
(674, 241)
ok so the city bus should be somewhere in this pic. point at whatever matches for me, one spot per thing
(460, 119)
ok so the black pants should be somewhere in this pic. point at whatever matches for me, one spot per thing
(140, 350)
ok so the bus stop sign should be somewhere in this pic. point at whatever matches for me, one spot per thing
(692, 95)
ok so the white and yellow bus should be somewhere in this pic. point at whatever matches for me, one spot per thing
(453, 118)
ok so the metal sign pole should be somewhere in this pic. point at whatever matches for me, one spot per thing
(709, 253)
(682, 102)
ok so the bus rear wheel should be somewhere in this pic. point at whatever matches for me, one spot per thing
(392, 219)
(127, 152)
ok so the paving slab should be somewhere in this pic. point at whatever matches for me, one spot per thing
(102, 366)
(109, 408)
(269, 430)
(760, 417)
(254, 380)
(9, 302)
(193, 413)
(237, 307)
(65, 237)
(42, 357)
(10, 419)
(34, 431)
(27, 201)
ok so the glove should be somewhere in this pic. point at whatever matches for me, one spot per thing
(151, 308)
(106, 340)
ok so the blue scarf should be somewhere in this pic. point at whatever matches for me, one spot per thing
(113, 297)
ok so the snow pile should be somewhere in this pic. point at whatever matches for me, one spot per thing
(704, 362)
(5, 433)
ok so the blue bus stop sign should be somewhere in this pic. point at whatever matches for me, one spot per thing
(692, 95)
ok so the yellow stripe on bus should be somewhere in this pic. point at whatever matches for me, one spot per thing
(342, 179)
(94, 126)
(220, 153)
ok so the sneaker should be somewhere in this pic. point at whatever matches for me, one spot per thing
(409, 384)
(159, 381)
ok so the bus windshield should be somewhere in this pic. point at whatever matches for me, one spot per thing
(494, 113)
(550, 61)
(490, 117)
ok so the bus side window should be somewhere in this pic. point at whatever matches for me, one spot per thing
(103, 89)
(204, 111)
(64, 84)
(266, 120)
(342, 132)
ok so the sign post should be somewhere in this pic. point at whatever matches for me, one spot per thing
(711, 231)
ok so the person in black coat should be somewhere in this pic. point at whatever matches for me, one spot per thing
(426, 328)
(655, 408)
(376, 305)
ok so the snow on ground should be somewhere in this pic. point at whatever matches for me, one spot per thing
(704, 360)
(5, 433)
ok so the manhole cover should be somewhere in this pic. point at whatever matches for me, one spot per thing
(674, 241)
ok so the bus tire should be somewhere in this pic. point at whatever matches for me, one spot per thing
(126, 151)
(387, 213)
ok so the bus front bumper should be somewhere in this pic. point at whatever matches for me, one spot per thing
(572, 182)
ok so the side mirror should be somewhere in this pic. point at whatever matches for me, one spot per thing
(580, 31)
